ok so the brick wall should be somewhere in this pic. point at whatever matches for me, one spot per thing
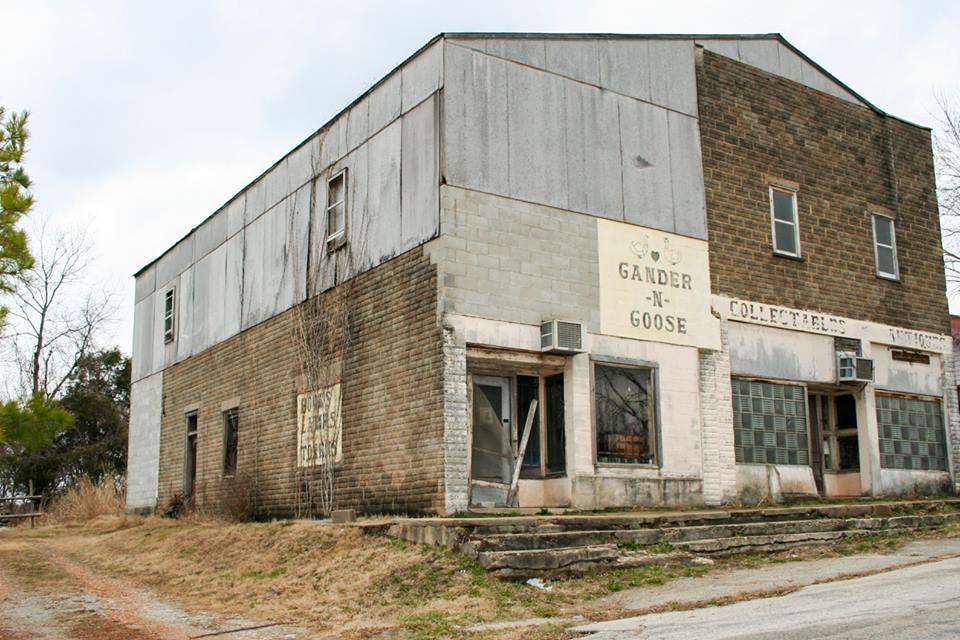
(392, 407)
(754, 125)
(716, 411)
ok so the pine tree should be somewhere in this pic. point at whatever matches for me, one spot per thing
(15, 200)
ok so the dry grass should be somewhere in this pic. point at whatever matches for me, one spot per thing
(86, 501)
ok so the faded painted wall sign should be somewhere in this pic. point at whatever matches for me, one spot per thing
(655, 286)
(319, 428)
(815, 322)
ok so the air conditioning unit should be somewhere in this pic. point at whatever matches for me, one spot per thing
(559, 336)
(853, 368)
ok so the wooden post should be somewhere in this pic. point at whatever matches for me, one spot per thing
(515, 483)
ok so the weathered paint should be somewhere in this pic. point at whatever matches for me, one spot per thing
(778, 354)
(773, 482)
(901, 482)
(907, 377)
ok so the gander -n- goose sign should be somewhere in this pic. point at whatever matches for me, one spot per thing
(655, 286)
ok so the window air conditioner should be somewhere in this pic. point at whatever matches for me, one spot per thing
(853, 368)
(558, 336)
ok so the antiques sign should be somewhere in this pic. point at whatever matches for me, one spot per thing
(655, 286)
(319, 428)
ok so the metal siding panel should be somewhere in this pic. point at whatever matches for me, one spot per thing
(575, 59)
(209, 299)
(762, 54)
(235, 214)
(537, 136)
(185, 305)
(420, 187)
(143, 335)
(209, 235)
(475, 135)
(358, 124)
(593, 151)
(276, 185)
(625, 67)
(645, 144)
(384, 103)
(160, 348)
(145, 283)
(256, 201)
(728, 48)
(477, 44)
(303, 164)
(673, 82)
(791, 66)
(812, 77)
(255, 277)
(173, 263)
(686, 176)
(201, 307)
(529, 52)
(334, 145)
(233, 287)
(382, 237)
(299, 242)
(422, 76)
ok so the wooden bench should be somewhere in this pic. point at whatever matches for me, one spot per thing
(6, 504)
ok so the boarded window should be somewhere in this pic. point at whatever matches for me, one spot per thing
(911, 434)
(231, 424)
(769, 423)
(626, 428)
(786, 232)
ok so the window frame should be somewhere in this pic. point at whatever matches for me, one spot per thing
(796, 221)
(337, 239)
(233, 412)
(655, 427)
(874, 216)
(170, 315)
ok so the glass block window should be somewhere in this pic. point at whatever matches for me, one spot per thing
(770, 423)
(912, 435)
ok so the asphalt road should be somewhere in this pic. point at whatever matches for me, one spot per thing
(919, 602)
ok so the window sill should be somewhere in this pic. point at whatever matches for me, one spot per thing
(896, 279)
(627, 465)
(787, 256)
(336, 243)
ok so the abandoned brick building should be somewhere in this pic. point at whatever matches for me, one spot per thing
(700, 269)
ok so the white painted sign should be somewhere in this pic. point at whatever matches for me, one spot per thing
(825, 324)
(319, 428)
(655, 286)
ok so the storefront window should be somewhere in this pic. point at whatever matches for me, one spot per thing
(626, 428)
(769, 423)
(911, 434)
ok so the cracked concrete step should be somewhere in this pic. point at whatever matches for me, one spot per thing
(548, 559)
(519, 541)
(726, 546)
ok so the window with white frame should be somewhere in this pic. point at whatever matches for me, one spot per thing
(783, 218)
(885, 247)
(169, 315)
(336, 208)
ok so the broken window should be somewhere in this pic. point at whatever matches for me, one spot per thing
(769, 423)
(231, 424)
(885, 247)
(626, 427)
(169, 314)
(786, 229)
(912, 433)
(336, 209)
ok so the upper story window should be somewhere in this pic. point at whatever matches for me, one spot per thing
(786, 226)
(336, 208)
(169, 314)
(885, 247)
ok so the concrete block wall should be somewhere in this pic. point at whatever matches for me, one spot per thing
(516, 261)
(456, 407)
(143, 457)
(951, 380)
(716, 410)
(392, 408)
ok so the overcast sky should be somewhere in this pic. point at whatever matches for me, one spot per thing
(146, 117)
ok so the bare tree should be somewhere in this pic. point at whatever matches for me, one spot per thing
(947, 159)
(55, 316)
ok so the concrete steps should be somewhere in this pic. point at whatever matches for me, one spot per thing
(523, 547)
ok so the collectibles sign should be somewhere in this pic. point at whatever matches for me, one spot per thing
(319, 429)
(655, 286)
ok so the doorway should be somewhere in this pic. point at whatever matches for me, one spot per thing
(835, 443)
(190, 461)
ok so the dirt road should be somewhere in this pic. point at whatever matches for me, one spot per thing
(46, 595)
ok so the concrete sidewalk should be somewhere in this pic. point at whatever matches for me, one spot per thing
(690, 592)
